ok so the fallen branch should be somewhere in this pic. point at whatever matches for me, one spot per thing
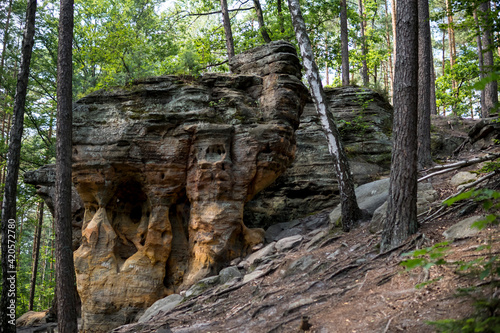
(451, 167)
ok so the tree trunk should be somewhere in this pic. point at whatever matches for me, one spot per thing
(260, 19)
(280, 16)
(401, 219)
(65, 270)
(10, 190)
(480, 59)
(451, 40)
(350, 210)
(433, 86)
(424, 85)
(364, 72)
(227, 29)
(393, 9)
(491, 89)
(35, 255)
(344, 42)
(389, 45)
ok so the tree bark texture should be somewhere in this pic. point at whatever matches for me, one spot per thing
(35, 255)
(260, 20)
(480, 59)
(364, 71)
(227, 29)
(424, 85)
(65, 270)
(350, 210)
(491, 89)
(401, 220)
(344, 34)
(10, 189)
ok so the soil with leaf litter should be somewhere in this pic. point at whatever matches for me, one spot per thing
(347, 286)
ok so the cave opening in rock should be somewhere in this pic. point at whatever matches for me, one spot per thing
(127, 208)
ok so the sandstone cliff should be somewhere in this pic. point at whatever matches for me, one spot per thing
(164, 168)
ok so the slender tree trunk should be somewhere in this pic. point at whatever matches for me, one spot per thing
(260, 19)
(36, 255)
(480, 58)
(364, 72)
(280, 16)
(451, 40)
(344, 40)
(227, 29)
(491, 89)
(6, 35)
(434, 110)
(10, 190)
(350, 210)
(393, 9)
(389, 45)
(424, 85)
(401, 220)
(65, 269)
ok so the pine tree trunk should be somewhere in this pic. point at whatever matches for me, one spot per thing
(364, 72)
(433, 87)
(65, 270)
(401, 219)
(36, 255)
(424, 85)
(260, 20)
(491, 89)
(10, 190)
(350, 210)
(227, 29)
(344, 39)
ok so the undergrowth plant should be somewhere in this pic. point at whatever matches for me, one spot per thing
(485, 270)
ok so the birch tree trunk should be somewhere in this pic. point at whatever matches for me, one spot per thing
(401, 219)
(480, 58)
(10, 190)
(350, 210)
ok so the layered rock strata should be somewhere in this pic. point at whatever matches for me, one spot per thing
(164, 168)
(309, 185)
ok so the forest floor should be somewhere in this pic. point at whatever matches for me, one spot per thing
(349, 287)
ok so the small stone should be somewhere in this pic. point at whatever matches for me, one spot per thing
(289, 232)
(202, 285)
(463, 229)
(164, 304)
(288, 243)
(462, 178)
(269, 249)
(228, 274)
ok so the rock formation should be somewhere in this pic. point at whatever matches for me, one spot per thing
(309, 185)
(164, 168)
